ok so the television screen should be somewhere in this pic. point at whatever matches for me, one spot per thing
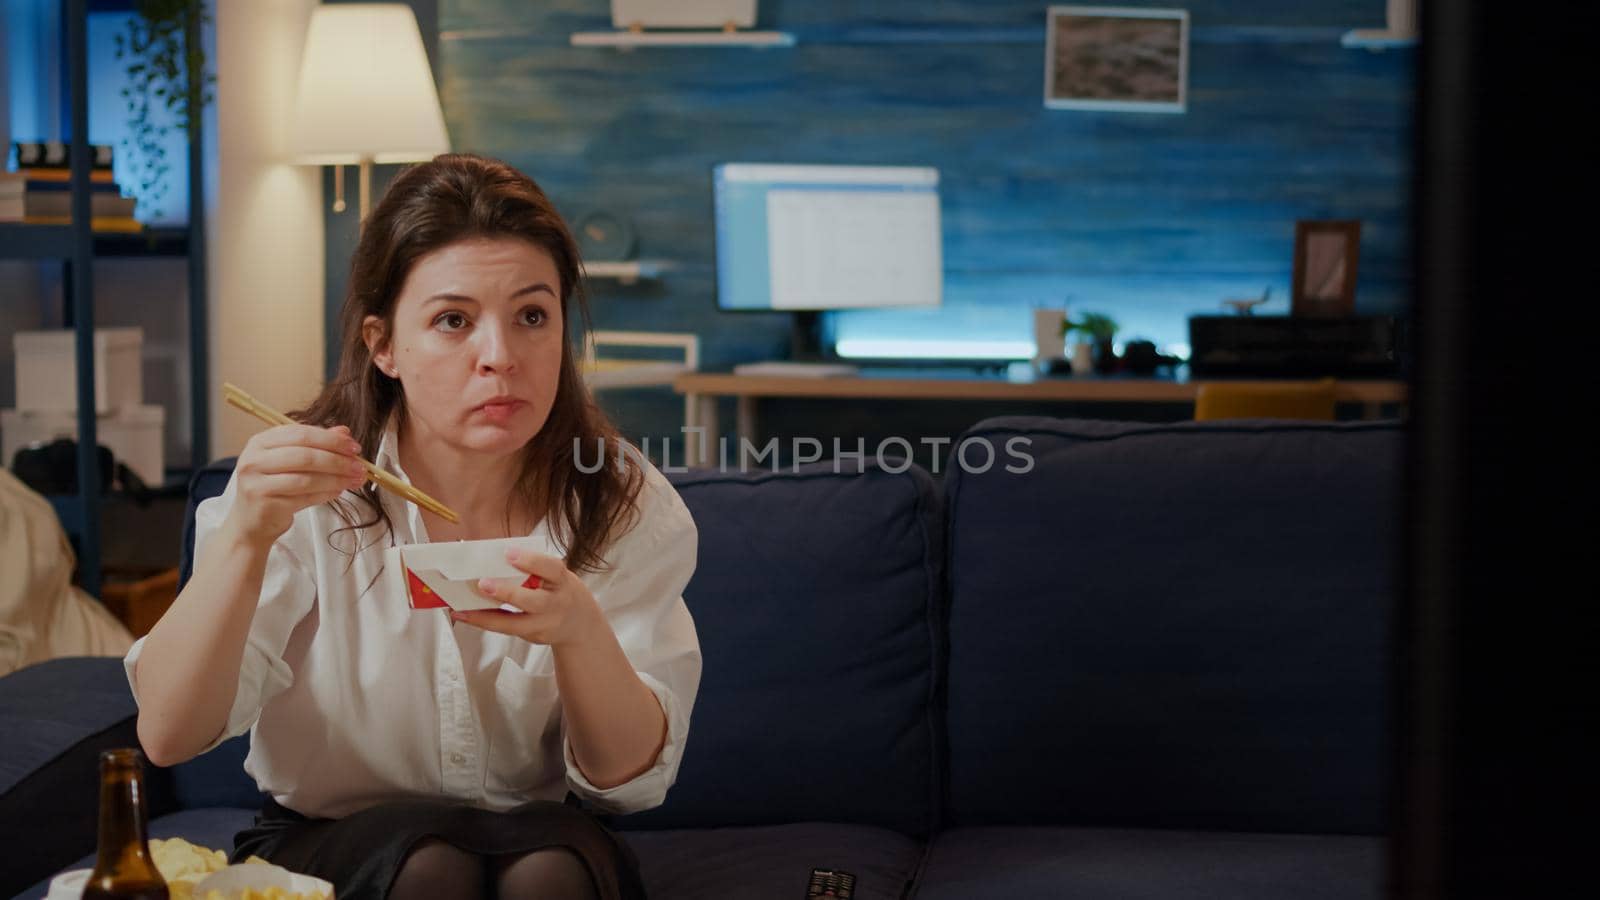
(803, 237)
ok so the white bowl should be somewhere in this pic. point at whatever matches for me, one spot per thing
(231, 881)
(236, 878)
(68, 885)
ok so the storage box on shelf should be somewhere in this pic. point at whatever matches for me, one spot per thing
(47, 398)
(47, 376)
(133, 434)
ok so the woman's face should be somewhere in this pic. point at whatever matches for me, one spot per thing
(476, 343)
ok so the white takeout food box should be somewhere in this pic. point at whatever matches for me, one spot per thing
(433, 576)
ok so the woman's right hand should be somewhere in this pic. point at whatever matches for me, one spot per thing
(285, 469)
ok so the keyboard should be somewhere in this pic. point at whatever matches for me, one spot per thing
(787, 368)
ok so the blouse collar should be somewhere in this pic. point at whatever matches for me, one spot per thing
(388, 455)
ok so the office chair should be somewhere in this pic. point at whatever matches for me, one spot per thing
(1275, 400)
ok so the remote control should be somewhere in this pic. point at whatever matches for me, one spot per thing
(831, 883)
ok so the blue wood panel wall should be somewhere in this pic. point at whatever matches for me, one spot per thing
(1150, 217)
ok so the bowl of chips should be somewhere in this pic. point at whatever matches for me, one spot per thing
(193, 872)
(260, 881)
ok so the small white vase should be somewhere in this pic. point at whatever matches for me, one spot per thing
(1082, 358)
(1048, 341)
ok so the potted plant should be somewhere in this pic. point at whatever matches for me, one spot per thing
(1099, 329)
(167, 79)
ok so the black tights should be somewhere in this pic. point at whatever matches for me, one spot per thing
(435, 870)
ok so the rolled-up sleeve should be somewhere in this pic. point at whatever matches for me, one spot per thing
(642, 596)
(288, 594)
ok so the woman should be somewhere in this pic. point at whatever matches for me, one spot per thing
(427, 753)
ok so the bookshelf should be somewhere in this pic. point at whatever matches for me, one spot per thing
(24, 241)
(76, 245)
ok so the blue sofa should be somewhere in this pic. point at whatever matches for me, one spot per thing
(1153, 665)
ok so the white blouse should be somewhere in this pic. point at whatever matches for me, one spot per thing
(354, 698)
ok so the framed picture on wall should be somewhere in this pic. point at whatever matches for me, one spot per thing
(1325, 256)
(1117, 58)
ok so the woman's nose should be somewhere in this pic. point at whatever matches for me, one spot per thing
(494, 350)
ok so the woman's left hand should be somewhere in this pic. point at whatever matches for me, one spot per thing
(560, 611)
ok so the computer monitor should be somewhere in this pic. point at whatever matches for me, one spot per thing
(811, 237)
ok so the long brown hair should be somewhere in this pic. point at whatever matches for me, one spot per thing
(451, 198)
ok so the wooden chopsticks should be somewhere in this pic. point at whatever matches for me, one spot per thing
(265, 413)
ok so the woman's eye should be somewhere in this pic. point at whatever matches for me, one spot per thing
(450, 321)
(533, 315)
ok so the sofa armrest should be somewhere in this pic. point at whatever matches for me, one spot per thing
(55, 719)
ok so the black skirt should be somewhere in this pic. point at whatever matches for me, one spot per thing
(360, 854)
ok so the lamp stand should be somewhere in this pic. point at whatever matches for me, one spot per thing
(338, 189)
(365, 182)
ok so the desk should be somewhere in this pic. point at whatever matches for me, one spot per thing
(887, 385)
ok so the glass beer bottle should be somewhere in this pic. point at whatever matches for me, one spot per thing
(123, 867)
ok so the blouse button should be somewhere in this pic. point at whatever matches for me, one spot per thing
(458, 759)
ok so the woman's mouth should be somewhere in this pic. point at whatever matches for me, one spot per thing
(499, 409)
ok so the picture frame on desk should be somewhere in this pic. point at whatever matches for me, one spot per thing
(1326, 255)
(1117, 59)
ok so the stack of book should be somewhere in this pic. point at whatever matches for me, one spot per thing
(39, 192)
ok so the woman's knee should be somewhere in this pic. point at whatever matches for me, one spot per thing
(435, 869)
(553, 872)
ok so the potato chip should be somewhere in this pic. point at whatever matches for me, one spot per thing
(180, 861)
(184, 865)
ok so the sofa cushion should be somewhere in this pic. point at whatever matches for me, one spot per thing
(41, 728)
(816, 599)
(1045, 863)
(209, 482)
(1176, 625)
(213, 828)
(216, 778)
(772, 861)
(58, 716)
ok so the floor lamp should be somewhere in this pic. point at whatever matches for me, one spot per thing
(366, 94)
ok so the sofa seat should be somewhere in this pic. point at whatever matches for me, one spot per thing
(726, 863)
(213, 827)
(763, 862)
(1146, 864)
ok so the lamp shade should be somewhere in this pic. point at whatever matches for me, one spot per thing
(366, 89)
